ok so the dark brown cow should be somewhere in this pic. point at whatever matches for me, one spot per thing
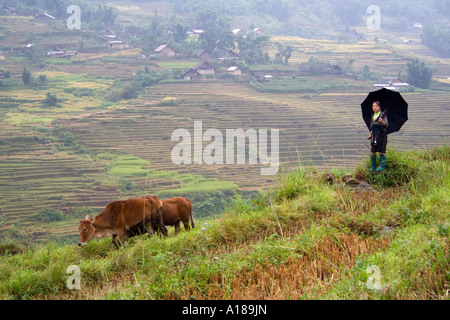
(120, 216)
(174, 211)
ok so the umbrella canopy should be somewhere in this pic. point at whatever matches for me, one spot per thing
(393, 102)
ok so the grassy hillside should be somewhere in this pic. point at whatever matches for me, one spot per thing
(303, 239)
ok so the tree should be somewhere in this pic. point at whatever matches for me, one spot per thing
(26, 76)
(180, 32)
(437, 39)
(253, 49)
(210, 17)
(285, 53)
(418, 74)
(217, 38)
(50, 99)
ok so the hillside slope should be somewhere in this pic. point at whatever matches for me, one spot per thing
(305, 239)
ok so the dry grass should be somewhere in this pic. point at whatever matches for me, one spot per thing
(310, 275)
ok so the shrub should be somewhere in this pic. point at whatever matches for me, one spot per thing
(125, 185)
(49, 215)
(418, 74)
(126, 91)
(26, 76)
(50, 100)
(169, 101)
(10, 247)
(400, 169)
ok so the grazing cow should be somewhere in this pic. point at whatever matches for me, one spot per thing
(174, 211)
(120, 216)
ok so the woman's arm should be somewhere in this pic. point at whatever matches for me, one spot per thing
(383, 120)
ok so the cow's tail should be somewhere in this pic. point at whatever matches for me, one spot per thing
(192, 219)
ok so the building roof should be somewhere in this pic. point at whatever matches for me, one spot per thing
(203, 51)
(6, 7)
(232, 68)
(191, 71)
(45, 15)
(387, 82)
(227, 53)
(162, 47)
(203, 64)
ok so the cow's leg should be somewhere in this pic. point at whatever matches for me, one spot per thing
(163, 228)
(114, 240)
(177, 227)
(120, 236)
(160, 222)
(186, 225)
(149, 228)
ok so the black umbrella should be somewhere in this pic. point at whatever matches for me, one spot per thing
(393, 102)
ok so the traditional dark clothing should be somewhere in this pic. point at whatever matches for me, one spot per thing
(379, 136)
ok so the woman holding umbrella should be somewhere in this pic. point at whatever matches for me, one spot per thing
(377, 121)
(378, 136)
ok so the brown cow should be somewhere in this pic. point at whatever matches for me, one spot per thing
(120, 216)
(174, 211)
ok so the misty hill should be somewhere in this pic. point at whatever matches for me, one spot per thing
(284, 17)
(303, 17)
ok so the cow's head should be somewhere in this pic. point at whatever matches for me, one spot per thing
(86, 230)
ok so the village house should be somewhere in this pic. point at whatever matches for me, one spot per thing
(7, 9)
(56, 53)
(23, 47)
(109, 35)
(258, 31)
(44, 16)
(70, 54)
(235, 71)
(335, 69)
(204, 68)
(224, 55)
(191, 74)
(165, 51)
(391, 83)
(261, 76)
(116, 44)
(408, 41)
(236, 31)
(316, 67)
(205, 54)
(195, 33)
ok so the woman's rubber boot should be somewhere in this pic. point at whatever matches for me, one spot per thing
(382, 163)
(373, 161)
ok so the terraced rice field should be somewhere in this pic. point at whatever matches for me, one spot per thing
(383, 58)
(325, 130)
